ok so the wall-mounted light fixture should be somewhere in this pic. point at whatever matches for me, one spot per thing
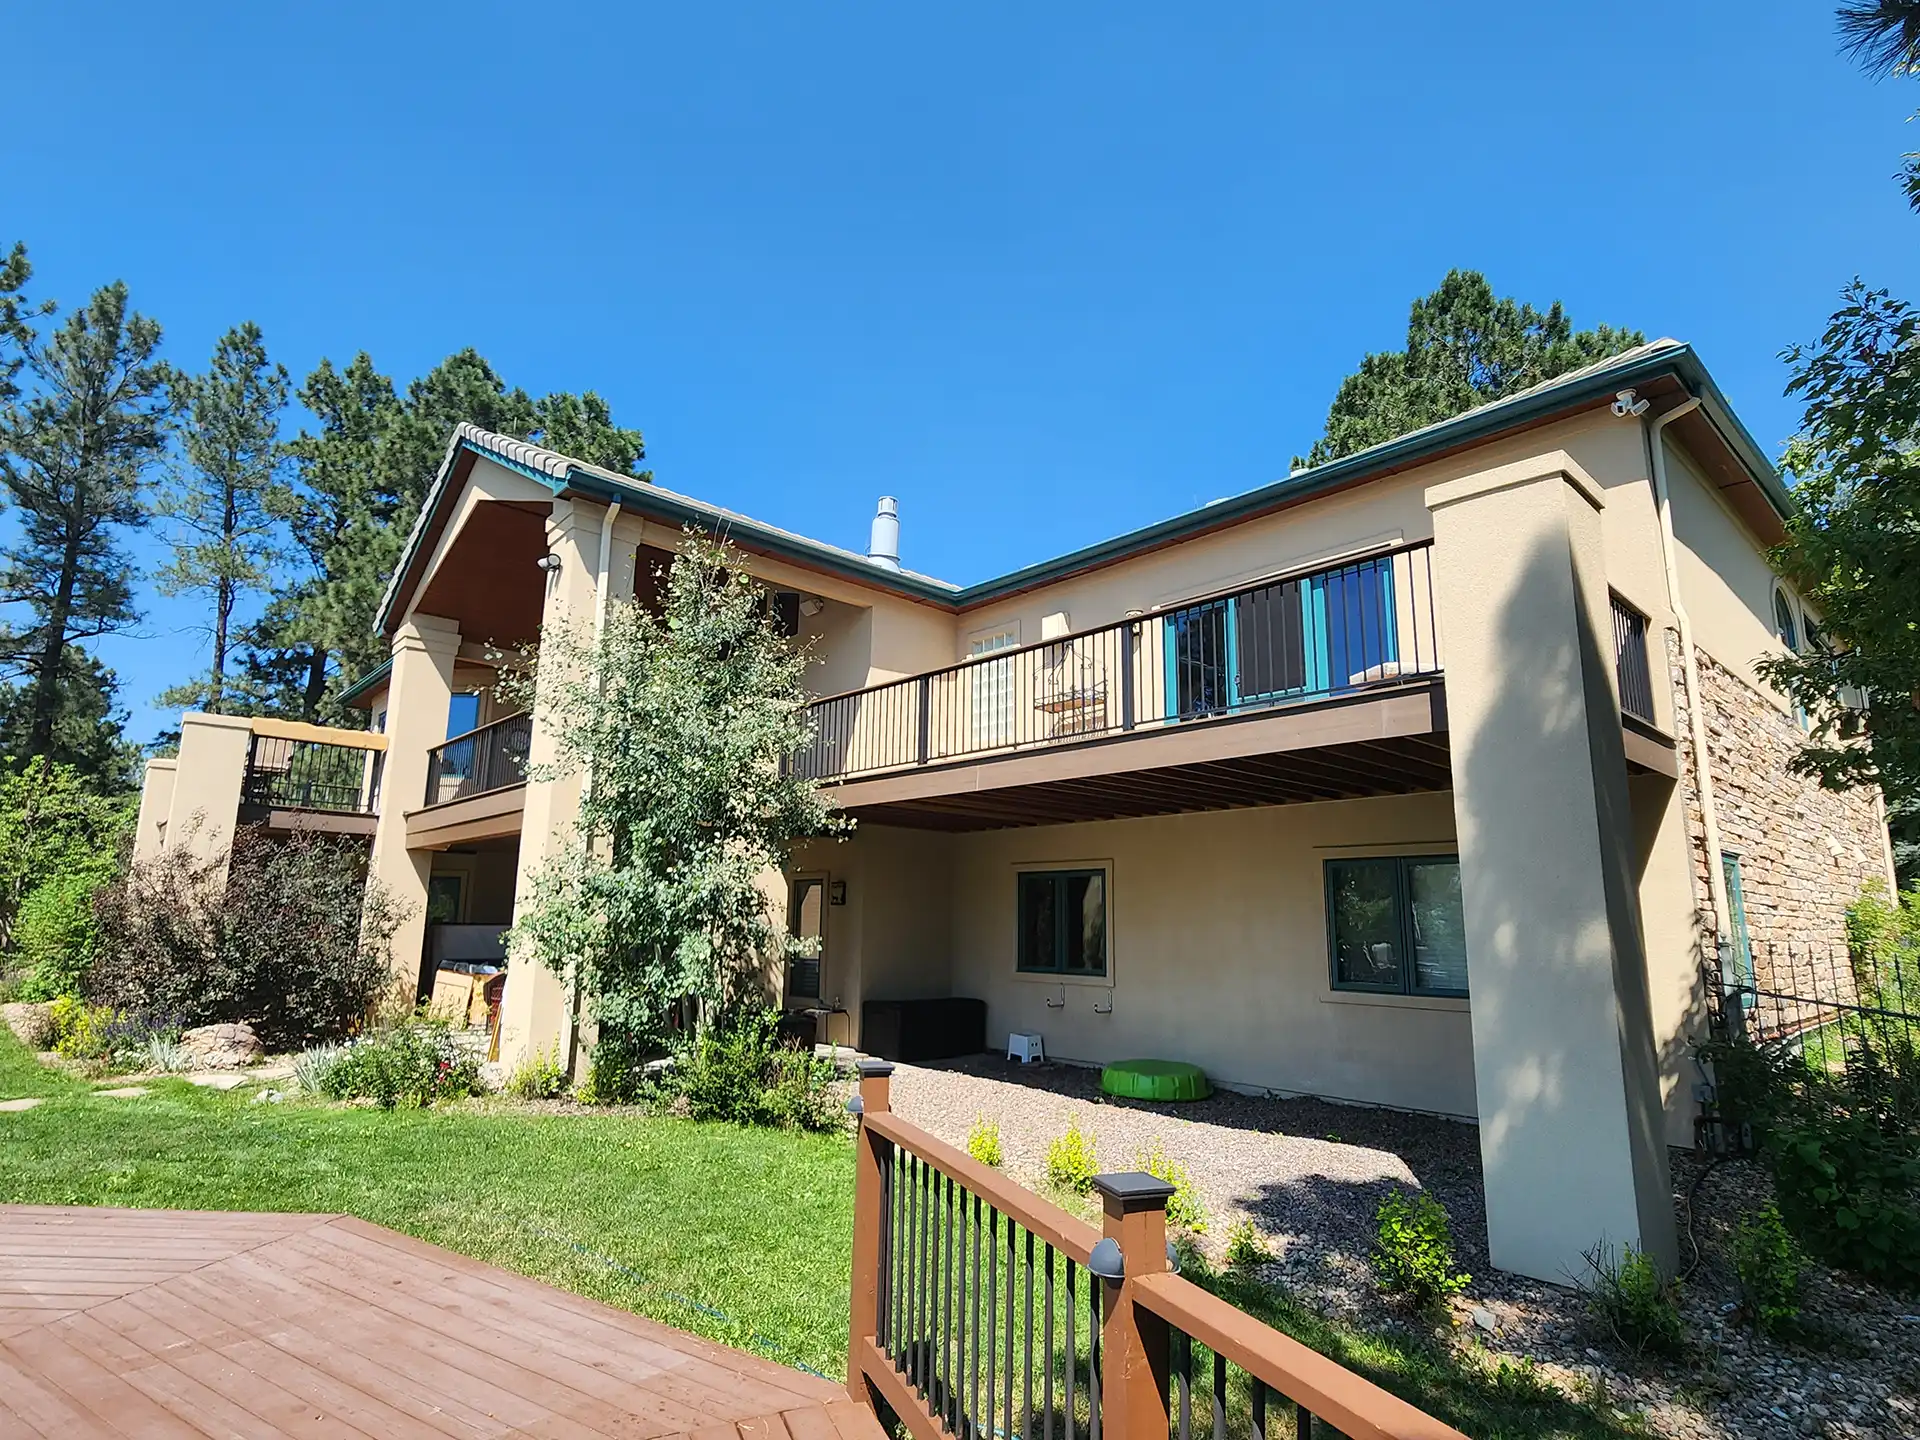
(837, 893)
(548, 563)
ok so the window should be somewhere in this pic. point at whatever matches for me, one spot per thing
(463, 713)
(1063, 922)
(1396, 925)
(1740, 940)
(1783, 624)
(992, 683)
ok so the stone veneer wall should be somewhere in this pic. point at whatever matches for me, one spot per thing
(1805, 853)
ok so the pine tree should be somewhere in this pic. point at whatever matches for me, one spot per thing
(1464, 348)
(362, 474)
(228, 503)
(75, 446)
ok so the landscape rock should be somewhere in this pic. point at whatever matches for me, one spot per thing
(25, 1103)
(124, 1092)
(33, 1023)
(222, 1047)
(215, 1079)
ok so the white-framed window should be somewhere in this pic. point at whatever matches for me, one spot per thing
(1786, 624)
(992, 686)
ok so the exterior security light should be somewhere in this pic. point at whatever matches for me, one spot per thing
(549, 563)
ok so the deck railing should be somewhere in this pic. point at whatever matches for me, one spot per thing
(1630, 661)
(980, 1312)
(290, 767)
(1318, 634)
(490, 758)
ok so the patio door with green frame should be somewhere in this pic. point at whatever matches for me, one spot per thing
(1318, 634)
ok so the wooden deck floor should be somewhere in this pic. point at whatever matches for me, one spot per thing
(182, 1324)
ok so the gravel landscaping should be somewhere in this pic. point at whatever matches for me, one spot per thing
(1310, 1176)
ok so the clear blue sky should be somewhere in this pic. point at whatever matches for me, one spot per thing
(1044, 272)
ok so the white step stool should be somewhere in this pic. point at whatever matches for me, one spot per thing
(1025, 1046)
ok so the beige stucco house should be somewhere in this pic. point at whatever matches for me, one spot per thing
(1423, 779)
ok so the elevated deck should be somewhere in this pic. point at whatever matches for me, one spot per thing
(187, 1324)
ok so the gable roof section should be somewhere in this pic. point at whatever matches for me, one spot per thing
(1666, 360)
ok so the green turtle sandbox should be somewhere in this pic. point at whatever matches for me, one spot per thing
(1155, 1080)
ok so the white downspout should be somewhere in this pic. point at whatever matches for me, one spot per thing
(586, 781)
(1690, 668)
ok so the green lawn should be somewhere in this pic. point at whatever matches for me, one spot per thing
(753, 1224)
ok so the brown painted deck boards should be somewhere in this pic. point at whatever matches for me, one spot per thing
(133, 1323)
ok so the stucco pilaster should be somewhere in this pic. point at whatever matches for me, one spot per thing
(1565, 1069)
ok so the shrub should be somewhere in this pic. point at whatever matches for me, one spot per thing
(1413, 1249)
(1849, 1188)
(1635, 1301)
(724, 1074)
(616, 1069)
(538, 1077)
(1245, 1249)
(165, 1054)
(1769, 1265)
(1071, 1162)
(1183, 1207)
(414, 1064)
(800, 1095)
(984, 1144)
(311, 1065)
(53, 935)
(292, 940)
(81, 1031)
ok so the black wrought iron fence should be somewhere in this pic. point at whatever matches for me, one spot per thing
(285, 773)
(490, 758)
(1851, 1022)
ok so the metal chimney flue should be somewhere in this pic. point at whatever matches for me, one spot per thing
(884, 548)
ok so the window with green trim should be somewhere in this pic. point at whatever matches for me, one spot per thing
(1063, 922)
(1395, 925)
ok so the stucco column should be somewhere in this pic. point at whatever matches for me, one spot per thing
(207, 778)
(536, 1012)
(156, 805)
(1564, 1065)
(419, 692)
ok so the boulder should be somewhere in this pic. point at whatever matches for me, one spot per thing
(221, 1047)
(32, 1023)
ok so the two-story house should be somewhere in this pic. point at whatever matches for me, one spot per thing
(1425, 778)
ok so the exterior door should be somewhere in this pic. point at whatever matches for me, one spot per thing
(807, 920)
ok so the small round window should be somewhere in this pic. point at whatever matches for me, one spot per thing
(1783, 625)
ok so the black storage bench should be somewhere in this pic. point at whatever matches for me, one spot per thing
(923, 1029)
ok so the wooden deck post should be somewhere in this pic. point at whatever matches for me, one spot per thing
(1133, 1340)
(870, 1157)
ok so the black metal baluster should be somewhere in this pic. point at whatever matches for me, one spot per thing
(1183, 1378)
(992, 1336)
(1259, 1431)
(1219, 1396)
(960, 1334)
(1026, 1395)
(1046, 1354)
(1073, 1351)
(1302, 1422)
(1006, 1410)
(1094, 1287)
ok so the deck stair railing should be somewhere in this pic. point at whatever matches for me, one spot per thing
(293, 766)
(981, 1312)
(1316, 634)
(490, 758)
